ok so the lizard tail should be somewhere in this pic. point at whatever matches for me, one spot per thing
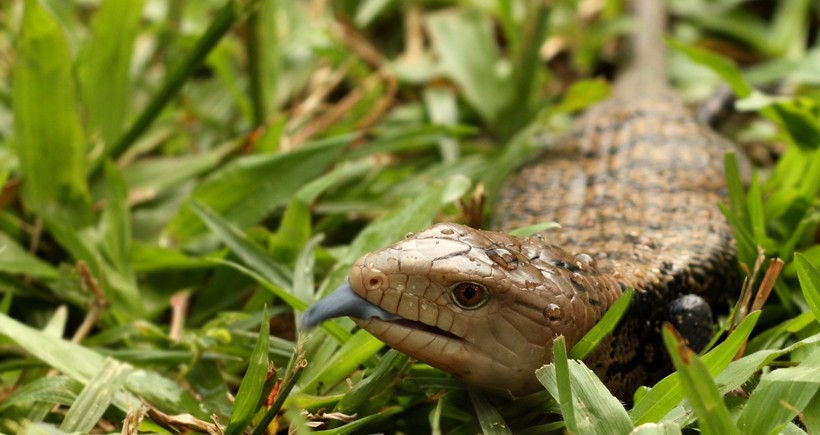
(646, 72)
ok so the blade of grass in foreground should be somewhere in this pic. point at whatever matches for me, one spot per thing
(778, 398)
(721, 65)
(293, 372)
(357, 425)
(586, 404)
(50, 390)
(378, 382)
(355, 351)
(82, 364)
(115, 225)
(247, 399)
(603, 328)
(488, 416)
(562, 389)
(664, 428)
(333, 329)
(668, 393)
(96, 397)
(699, 386)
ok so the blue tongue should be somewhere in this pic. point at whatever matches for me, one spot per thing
(343, 302)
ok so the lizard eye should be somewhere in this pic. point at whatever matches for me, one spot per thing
(469, 295)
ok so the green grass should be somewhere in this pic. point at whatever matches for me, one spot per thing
(177, 173)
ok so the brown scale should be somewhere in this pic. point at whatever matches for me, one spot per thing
(636, 185)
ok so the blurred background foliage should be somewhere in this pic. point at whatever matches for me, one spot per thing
(171, 168)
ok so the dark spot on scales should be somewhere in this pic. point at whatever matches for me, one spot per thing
(564, 265)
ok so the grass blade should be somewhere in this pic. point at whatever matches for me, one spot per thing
(737, 197)
(757, 218)
(390, 366)
(355, 351)
(103, 68)
(604, 327)
(663, 428)
(811, 415)
(778, 398)
(53, 390)
(261, 31)
(250, 390)
(82, 364)
(15, 259)
(248, 188)
(532, 229)
(230, 13)
(488, 417)
(96, 397)
(469, 55)
(563, 384)
(723, 66)
(668, 393)
(809, 278)
(699, 386)
(293, 372)
(253, 255)
(116, 222)
(50, 148)
(586, 404)
(333, 329)
(358, 425)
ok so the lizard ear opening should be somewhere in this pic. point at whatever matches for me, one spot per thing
(469, 295)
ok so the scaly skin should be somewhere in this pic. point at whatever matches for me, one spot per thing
(644, 182)
(533, 296)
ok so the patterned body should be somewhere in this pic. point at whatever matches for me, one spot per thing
(635, 185)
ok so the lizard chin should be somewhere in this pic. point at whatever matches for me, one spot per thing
(452, 354)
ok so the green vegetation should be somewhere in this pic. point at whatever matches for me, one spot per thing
(176, 173)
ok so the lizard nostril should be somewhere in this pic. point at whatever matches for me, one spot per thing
(374, 283)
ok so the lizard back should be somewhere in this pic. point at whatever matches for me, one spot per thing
(636, 185)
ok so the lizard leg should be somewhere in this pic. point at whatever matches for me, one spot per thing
(692, 317)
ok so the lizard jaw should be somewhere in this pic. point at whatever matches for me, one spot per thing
(346, 302)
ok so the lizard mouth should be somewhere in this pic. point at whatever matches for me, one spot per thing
(346, 302)
(425, 328)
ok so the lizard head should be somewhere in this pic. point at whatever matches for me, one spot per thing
(481, 305)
